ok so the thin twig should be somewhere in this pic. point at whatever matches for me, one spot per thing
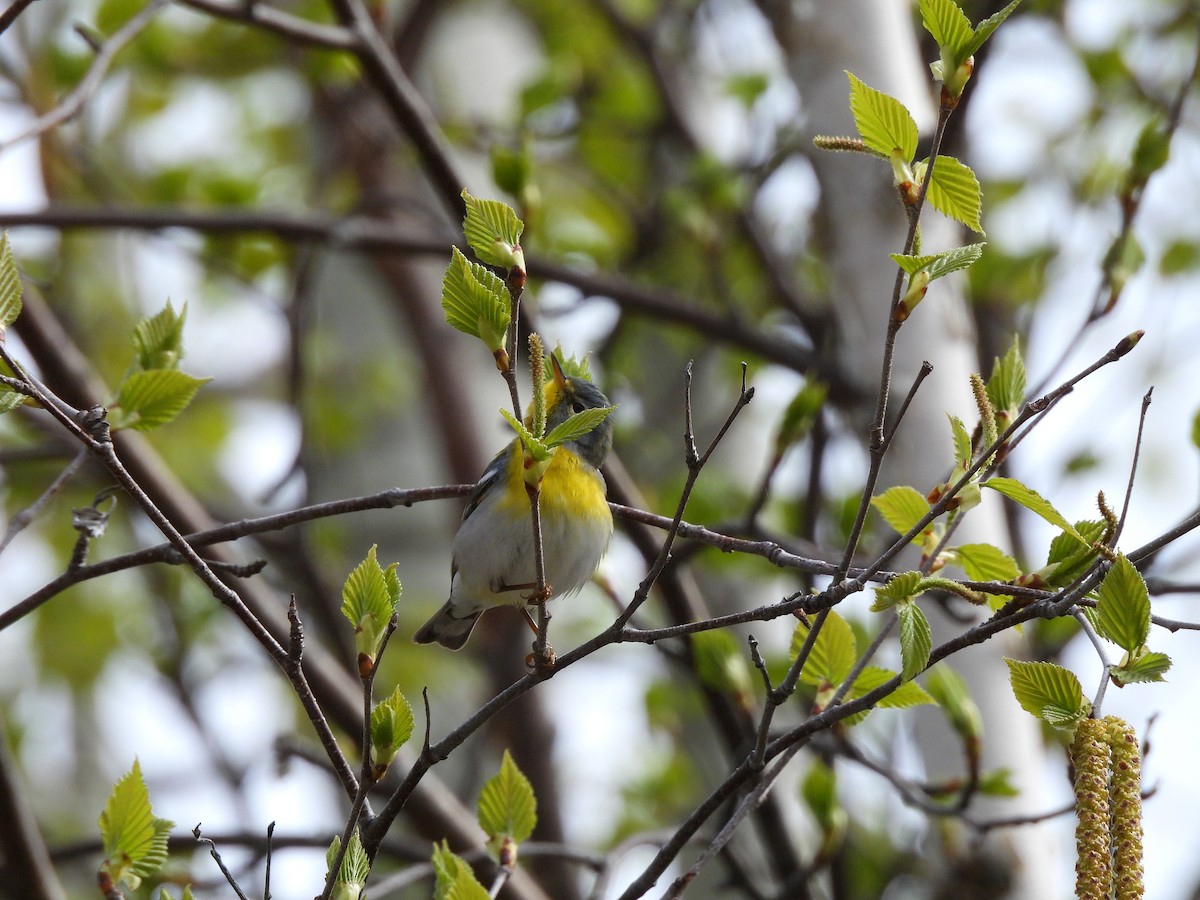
(10, 15)
(22, 519)
(269, 18)
(212, 849)
(1101, 651)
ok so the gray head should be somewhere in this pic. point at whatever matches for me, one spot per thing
(567, 395)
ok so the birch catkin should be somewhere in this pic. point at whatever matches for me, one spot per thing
(1092, 756)
(1126, 793)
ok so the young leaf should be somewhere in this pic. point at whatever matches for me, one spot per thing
(949, 261)
(1067, 558)
(800, 415)
(916, 640)
(135, 842)
(1006, 386)
(950, 691)
(10, 285)
(475, 301)
(902, 507)
(997, 783)
(1146, 667)
(833, 652)
(158, 339)
(984, 29)
(454, 878)
(907, 695)
(1048, 691)
(152, 398)
(720, 663)
(954, 192)
(899, 589)
(1123, 607)
(507, 807)
(9, 399)
(493, 231)
(577, 426)
(352, 873)
(983, 562)
(1034, 502)
(369, 599)
(391, 727)
(948, 25)
(884, 124)
(962, 443)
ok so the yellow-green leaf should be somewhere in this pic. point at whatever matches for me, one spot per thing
(954, 192)
(577, 426)
(985, 562)
(1034, 502)
(158, 339)
(135, 842)
(884, 124)
(507, 807)
(153, 398)
(475, 301)
(10, 285)
(492, 230)
(902, 507)
(1048, 691)
(916, 640)
(454, 879)
(391, 727)
(1123, 606)
(369, 598)
(833, 652)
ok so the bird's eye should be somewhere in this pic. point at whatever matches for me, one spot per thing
(577, 406)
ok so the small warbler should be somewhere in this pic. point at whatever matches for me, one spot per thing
(493, 561)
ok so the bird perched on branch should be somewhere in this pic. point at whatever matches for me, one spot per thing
(493, 562)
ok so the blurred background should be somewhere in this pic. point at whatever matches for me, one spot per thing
(237, 159)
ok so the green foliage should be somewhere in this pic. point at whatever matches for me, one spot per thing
(954, 192)
(721, 664)
(899, 589)
(493, 231)
(1049, 692)
(1067, 558)
(957, 40)
(1035, 503)
(833, 652)
(902, 507)
(885, 125)
(949, 691)
(507, 807)
(135, 841)
(905, 696)
(352, 873)
(475, 301)
(1123, 607)
(454, 878)
(800, 415)
(1142, 667)
(540, 450)
(158, 339)
(152, 398)
(10, 285)
(916, 640)
(984, 562)
(391, 727)
(369, 599)
(1006, 384)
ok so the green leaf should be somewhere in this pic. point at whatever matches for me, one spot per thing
(954, 192)
(507, 807)
(954, 260)
(1034, 502)
(135, 842)
(902, 507)
(352, 873)
(158, 339)
(916, 640)
(747, 87)
(391, 727)
(534, 446)
(900, 588)
(1048, 691)
(1196, 429)
(720, 663)
(833, 652)
(1006, 386)
(577, 426)
(1067, 558)
(819, 790)
(962, 442)
(1146, 667)
(984, 562)
(997, 783)
(369, 599)
(800, 415)
(984, 29)
(912, 264)
(475, 301)
(909, 693)
(948, 25)
(884, 124)
(10, 285)
(950, 692)
(9, 399)
(454, 878)
(493, 231)
(1123, 607)
(153, 398)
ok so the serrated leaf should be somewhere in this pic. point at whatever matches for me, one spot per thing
(1034, 502)
(492, 230)
(916, 640)
(1070, 558)
(882, 121)
(1006, 386)
(996, 783)
(985, 562)
(954, 192)
(475, 301)
(507, 807)
(897, 590)
(948, 25)
(352, 873)
(10, 285)
(369, 599)
(135, 841)
(1123, 606)
(954, 260)
(720, 663)
(902, 507)
(1048, 691)
(534, 446)
(10, 399)
(912, 264)
(1147, 667)
(391, 727)
(577, 426)
(454, 879)
(984, 29)
(909, 693)
(950, 692)
(158, 339)
(153, 398)
(962, 442)
(833, 652)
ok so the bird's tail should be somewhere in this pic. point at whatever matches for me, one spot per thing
(447, 629)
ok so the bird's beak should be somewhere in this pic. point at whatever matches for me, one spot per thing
(559, 378)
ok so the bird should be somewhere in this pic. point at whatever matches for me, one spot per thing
(493, 553)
